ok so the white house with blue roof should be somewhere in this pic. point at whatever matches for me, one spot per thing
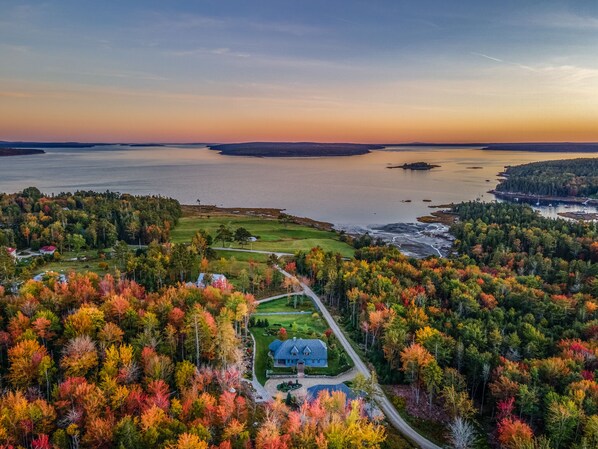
(291, 353)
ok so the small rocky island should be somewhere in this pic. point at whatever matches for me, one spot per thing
(294, 149)
(19, 151)
(416, 166)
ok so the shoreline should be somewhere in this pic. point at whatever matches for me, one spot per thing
(7, 152)
(516, 196)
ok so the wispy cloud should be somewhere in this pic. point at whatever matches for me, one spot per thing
(503, 61)
(124, 74)
(486, 56)
(220, 51)
(566, 20)
(565, 77)
(22, 49)
(572, 74)
(188, 21)
(11, 94)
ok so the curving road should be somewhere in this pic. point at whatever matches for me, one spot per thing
(382, 400)
(284, 295)
(255, 251)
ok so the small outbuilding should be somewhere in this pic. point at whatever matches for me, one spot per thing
(48, 250)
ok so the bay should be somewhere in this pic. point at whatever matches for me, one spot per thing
(351, 192)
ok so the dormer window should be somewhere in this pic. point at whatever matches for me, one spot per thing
(307, 351)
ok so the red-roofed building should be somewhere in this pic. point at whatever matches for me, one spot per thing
(12, 252)
(47, 250)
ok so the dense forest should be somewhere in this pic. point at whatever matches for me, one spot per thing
(30, 219)
(100, 363)
(572, 177)
(506, 332)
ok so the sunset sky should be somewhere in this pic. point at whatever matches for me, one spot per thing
(362, 71)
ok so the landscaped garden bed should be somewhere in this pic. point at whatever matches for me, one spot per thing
(285, 387)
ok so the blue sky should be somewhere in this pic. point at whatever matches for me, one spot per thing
(298, 70)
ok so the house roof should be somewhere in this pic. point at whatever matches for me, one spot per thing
(299, 349)
(11, 250)
(216, 277)
(48, 248)
(48, 274)
(314, 392)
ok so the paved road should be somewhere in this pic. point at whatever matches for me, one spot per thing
(307, 382)
(298, 312)
(284, 295)
(255, 251)
(262, 395)
(383, 402)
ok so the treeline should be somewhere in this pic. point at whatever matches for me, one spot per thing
(561, 252)
(30, 219)
(572, 177)
(100, 363)
(161, 265)
(507, 329)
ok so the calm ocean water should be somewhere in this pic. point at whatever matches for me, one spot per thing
(347, 191)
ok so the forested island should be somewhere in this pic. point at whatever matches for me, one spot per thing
(415, 166)
(293, 149)
(19, 151)
(572, 178)
(545, 147)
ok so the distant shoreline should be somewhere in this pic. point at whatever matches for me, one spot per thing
(548, 147)
(5, 152)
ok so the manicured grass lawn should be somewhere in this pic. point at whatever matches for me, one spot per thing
(273, 235)
(241, 256)
(306, 326)
(304, 303)
(66, 266)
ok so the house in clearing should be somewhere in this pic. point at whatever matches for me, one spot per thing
(12, 252)
(299, 352)
(48, 275)
(215, 279)
(47, 250)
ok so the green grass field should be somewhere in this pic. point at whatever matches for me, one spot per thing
(304, 303)
(300, 326)
(66, 266)
(273, 235)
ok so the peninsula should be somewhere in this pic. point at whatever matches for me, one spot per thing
(559, 178)
(19, 151)
(294, 149)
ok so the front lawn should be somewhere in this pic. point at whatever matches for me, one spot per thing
(299, 326)
(303, 304)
